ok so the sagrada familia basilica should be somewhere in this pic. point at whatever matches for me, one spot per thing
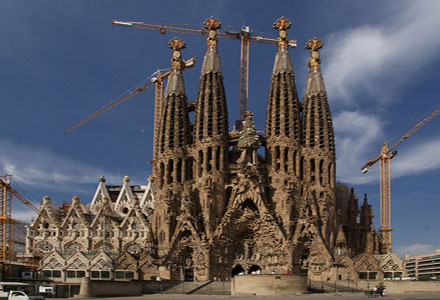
(215, 206)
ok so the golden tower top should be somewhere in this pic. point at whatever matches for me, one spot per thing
(282, 24)
(212, 24)
(314, 45)
(177, 62)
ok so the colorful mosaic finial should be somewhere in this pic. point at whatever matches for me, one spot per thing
(248, 114)
(212, 24)
(314, 45)
(282, 24)
(177, 44)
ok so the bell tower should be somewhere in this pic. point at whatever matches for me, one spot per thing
(283, 129)
(318, 151)
(211, 137)
(173, 142)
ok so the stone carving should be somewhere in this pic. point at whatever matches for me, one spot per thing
(224, 201)
(77, 264)
(44, 247)
(53, 264)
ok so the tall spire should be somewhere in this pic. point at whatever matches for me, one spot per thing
(283, 123)
(282, 58)
(211, 136)
(318, 127)
(174, 123)
(211, 62)
(211, 115)
(283, 108)
(315, 83)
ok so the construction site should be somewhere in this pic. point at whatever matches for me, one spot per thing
(219, 202)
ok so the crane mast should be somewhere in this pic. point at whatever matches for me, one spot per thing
(244, 71)
(6, 229)
(384, 158)
(244, 36)
(5, 219)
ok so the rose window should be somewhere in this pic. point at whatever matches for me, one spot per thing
(44, 246)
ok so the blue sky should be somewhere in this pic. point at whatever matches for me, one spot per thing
(62, 60)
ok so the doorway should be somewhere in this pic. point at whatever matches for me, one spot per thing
(254, 269)
(237, 270)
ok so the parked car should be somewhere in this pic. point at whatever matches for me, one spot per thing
(18, 295)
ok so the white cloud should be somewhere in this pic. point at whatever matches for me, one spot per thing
(370, 63)
(419, 158)
(24, 215)
(359, 137)
(375, 59)
(40, 168)
(356, 136)
(414, 249)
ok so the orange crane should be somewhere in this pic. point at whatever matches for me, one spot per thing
(157, 80)
(6, 221)
(386, 154)
(244, 36)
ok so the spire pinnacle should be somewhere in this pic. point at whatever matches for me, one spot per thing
(314, 45)
(177, 62)
(212, 24)
(365, 200)
(282, 24)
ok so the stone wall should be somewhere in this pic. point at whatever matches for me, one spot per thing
(97, 288)
(403, 286)
(269, 285)
(100, 288)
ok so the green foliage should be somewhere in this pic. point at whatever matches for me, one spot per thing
(249, 138)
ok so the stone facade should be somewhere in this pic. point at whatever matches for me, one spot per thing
(224, 203)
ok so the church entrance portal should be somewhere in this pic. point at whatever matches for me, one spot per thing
(254, 269)
(189, 274)
(238, 269)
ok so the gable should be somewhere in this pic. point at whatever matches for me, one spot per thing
(77, 261)
(75, 218)
(123, 202)
(366, 262)
(100, 194)
(391, 262)
(126, 262)
(101, 262)
(147, 201)
(146, 261)
(135, 216)
(53, 261)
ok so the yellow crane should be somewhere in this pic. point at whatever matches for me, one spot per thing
(6, 221)
(386, 154)
(157, 79)
(244, 36)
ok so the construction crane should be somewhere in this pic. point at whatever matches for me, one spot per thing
(157, 79)
(6, 221)
(244, 36)
(386, 154)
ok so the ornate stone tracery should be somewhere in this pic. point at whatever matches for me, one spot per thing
(44, 247)
(225, 201)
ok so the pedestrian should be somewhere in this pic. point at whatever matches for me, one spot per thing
(381, 290)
